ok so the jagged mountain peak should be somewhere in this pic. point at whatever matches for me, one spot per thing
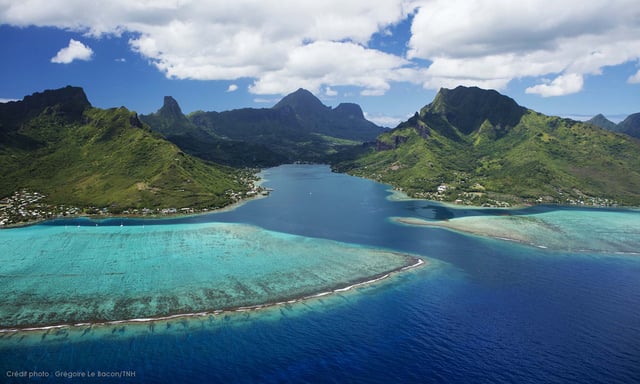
(467, 108)
(68, 95)
(303, 102)
(68, 102)
(463, 147)
(100, 157)
(631, 125)
(349, 110)
(601, 121)
(169, 119)
(170, 108)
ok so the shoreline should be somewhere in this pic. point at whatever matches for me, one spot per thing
(536, 233)
(154, 216)
(417, 262)
(445, 224)
(398, 195)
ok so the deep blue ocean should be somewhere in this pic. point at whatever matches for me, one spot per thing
(485, 310)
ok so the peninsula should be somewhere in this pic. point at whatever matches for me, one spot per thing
(477, 147)
(60, 156)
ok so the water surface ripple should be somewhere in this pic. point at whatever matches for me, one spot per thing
(485, 311)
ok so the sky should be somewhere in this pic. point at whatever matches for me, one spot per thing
(570, 58)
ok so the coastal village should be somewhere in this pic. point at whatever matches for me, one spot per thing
(479, 198)
(28, 207)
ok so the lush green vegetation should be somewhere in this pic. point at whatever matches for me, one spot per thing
(601, 121)
(272, 131)
(83, 156)
(298, 128)
(514, 155)
(468, 145)
(346, 121)
(630, 125)
(204, 143)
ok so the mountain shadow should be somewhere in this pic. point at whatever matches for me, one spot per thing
(298, 128)
(201, 142)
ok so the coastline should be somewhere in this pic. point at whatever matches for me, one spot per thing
(346, 284)
(398, 195)
(579, 231)
(417, 262)
(153, 216)
(457, 226)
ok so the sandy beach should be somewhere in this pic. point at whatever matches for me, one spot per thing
(489, 226)
(563, 230)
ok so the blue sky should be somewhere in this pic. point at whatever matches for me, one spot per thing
(573, 59)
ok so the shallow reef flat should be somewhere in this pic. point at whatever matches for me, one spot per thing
(571, 230)
(57, 275)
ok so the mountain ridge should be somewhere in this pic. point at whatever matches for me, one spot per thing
(346, 121)
(629, 126)
(483, 159)
(303, 102)
(204, 143)
(601, 121)
(468, 108)
(86, 156)
(297, 128)
(55, 142)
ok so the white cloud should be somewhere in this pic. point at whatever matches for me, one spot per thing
(336, 63)
(634, 79)
(560, 86)
(232, 88)
(3, 100)
(286, 44)
(74, 51)
(121, 60)
(384, 120)
(221, 40)
(330, 92)
(262, 100)
(490, 42)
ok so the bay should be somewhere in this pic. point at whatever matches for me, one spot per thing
(486, 310)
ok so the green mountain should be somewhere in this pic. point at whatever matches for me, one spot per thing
(299, 127)
(480, 147)
(468, 109)
(600, 121)
(630, 125)
(305, 105)
(57, 144)
(346, 121)
(169, 119)
(204, 143)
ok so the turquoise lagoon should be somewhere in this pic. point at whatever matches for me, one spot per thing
(555, 298)
(572, 230)
(54, 275)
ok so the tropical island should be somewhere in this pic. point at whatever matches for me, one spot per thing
(61, 156)
(470, 146)
(478, 147)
